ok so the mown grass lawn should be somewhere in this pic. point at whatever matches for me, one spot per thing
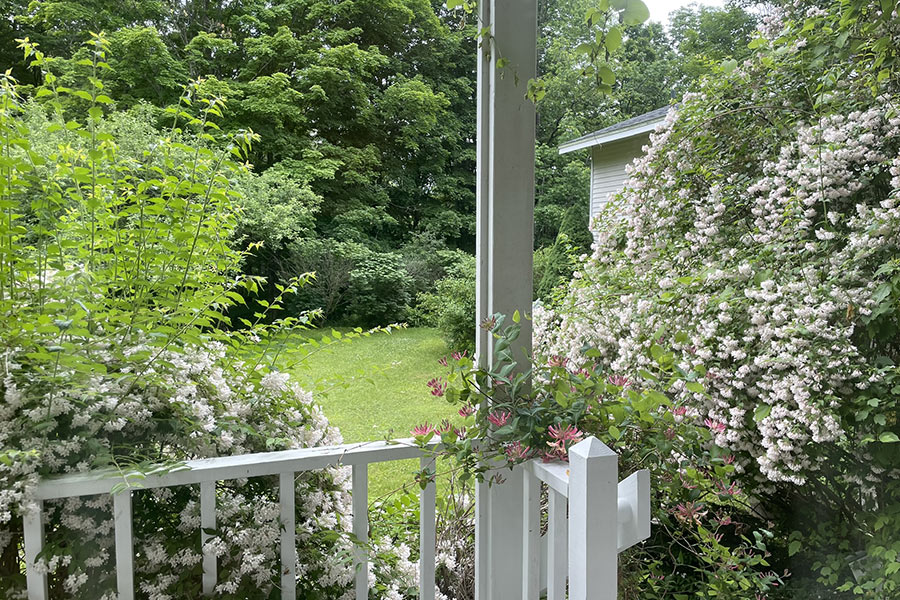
(374, 387)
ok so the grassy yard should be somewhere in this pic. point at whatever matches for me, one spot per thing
(374, 387)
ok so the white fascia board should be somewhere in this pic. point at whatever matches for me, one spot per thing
(621, 134)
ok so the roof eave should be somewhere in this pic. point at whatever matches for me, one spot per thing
(589, 141)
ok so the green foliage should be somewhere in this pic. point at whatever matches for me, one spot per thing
(351, 283)
(561, 181)
(708, 36)
(450, 306)
(379, 291)
(279, 206)
(427, 260)
(573, 241)
(381, 89)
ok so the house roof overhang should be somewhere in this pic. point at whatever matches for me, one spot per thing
(635, 126)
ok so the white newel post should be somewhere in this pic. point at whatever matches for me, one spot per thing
(505, 230)
(593, 521)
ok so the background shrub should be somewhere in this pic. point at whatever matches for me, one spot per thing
(450, 306)
(558, 262)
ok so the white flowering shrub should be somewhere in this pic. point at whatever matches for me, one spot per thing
(116, 272)
(394, 572)
(757, 243)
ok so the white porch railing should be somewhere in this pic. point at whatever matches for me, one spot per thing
(580, 547)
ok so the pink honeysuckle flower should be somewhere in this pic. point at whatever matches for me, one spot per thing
(715, 426)
(619, 380)
(460, 355)
(460, 432)
(515, 451)
(731, 490)
(467, 411)
(444, 427)
(725, 521)
(679, 411)
(728, 460)
(689, 511)
(488, 323)
(687, 484)
(423, 429)
(670, 434)
(558, 361)
(566, 433)
(438, 386)
(443, 361)
(554, 454)
(499, 418)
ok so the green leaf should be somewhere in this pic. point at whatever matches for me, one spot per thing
(636, 12)
(888, 437)
(762, 411)
(614, 432)
(613, 39)
(657, 397)
(606, 75)
(757, 43)
(729, 65)
(794, 547)
(695, 386)
(584, 48)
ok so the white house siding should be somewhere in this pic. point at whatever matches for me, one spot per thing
(608, 164)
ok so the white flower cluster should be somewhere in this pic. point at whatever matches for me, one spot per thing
(190, 403)
(760, 278)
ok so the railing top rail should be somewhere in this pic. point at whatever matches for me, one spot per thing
(554, 474)
(230, 467)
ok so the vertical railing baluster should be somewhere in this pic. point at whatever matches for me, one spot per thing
(122, 516)
(557, 542)
(208, 523)
(531, 536)
(427, 533)
(34, 544)
(286, 496)
(499, 570)
(593, 521)
(361, 528)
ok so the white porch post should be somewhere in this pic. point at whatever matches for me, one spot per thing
(505, 224)
(505, 167)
